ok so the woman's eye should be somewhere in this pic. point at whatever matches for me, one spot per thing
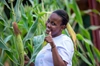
(53, 23)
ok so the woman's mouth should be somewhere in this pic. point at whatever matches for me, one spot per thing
(47, 30)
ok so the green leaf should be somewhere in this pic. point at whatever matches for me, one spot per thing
(79, 37)
(90, 54)
(3, 21)
(31, 31)
(41, 14)
(88, 41)
(96, 11)
(75, 8)
(3, 1)
(38, 41)
(85, 33)
(81, 47)
(31, 1)
(30, 47)
(84, 58)
(93, 27)
(96, 52)
(25, 18)
(12, 57)
(68, 7)
(89, 11)
(1, 64)
(3, 45)
(7, 38)
(66, 32)
(17, 10)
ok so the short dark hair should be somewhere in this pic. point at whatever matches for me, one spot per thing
(63, 15)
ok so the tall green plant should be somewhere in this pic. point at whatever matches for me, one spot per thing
(31, 21)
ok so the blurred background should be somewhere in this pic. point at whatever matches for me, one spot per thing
(31, 15)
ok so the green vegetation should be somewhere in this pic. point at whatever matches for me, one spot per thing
(31, 22)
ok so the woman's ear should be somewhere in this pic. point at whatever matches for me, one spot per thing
(63, 27)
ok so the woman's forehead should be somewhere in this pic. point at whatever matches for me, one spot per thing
(54, 16)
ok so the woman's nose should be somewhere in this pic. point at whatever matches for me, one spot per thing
(48, 24)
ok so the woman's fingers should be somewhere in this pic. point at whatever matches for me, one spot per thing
(26, 62)
(26, 57)
(50, 33)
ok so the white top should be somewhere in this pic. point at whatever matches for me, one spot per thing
(65, 49)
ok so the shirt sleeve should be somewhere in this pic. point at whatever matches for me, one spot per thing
(66, 50)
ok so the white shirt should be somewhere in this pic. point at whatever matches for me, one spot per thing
(65, 49)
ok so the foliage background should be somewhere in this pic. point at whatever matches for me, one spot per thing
(31, 18)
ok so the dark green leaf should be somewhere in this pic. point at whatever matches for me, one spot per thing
(31, 31)
(3, 21)
(96, 52)
(1, 64)
(85, 33)
(12, 57)
(3, 45)
(68, 7)
(84, 58)
(31, 1)
(90, 54)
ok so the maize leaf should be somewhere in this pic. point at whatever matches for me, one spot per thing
(72, 33)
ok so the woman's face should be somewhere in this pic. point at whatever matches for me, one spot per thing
(53, 25)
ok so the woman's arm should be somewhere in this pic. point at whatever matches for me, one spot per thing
(58, 61)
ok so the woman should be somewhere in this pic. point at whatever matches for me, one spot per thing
(59, 50)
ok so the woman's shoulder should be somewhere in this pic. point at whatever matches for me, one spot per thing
(65, 37)
(67, 42)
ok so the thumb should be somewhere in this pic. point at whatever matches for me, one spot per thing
(50, 33)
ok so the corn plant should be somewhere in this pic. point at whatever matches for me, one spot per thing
(31, 22)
